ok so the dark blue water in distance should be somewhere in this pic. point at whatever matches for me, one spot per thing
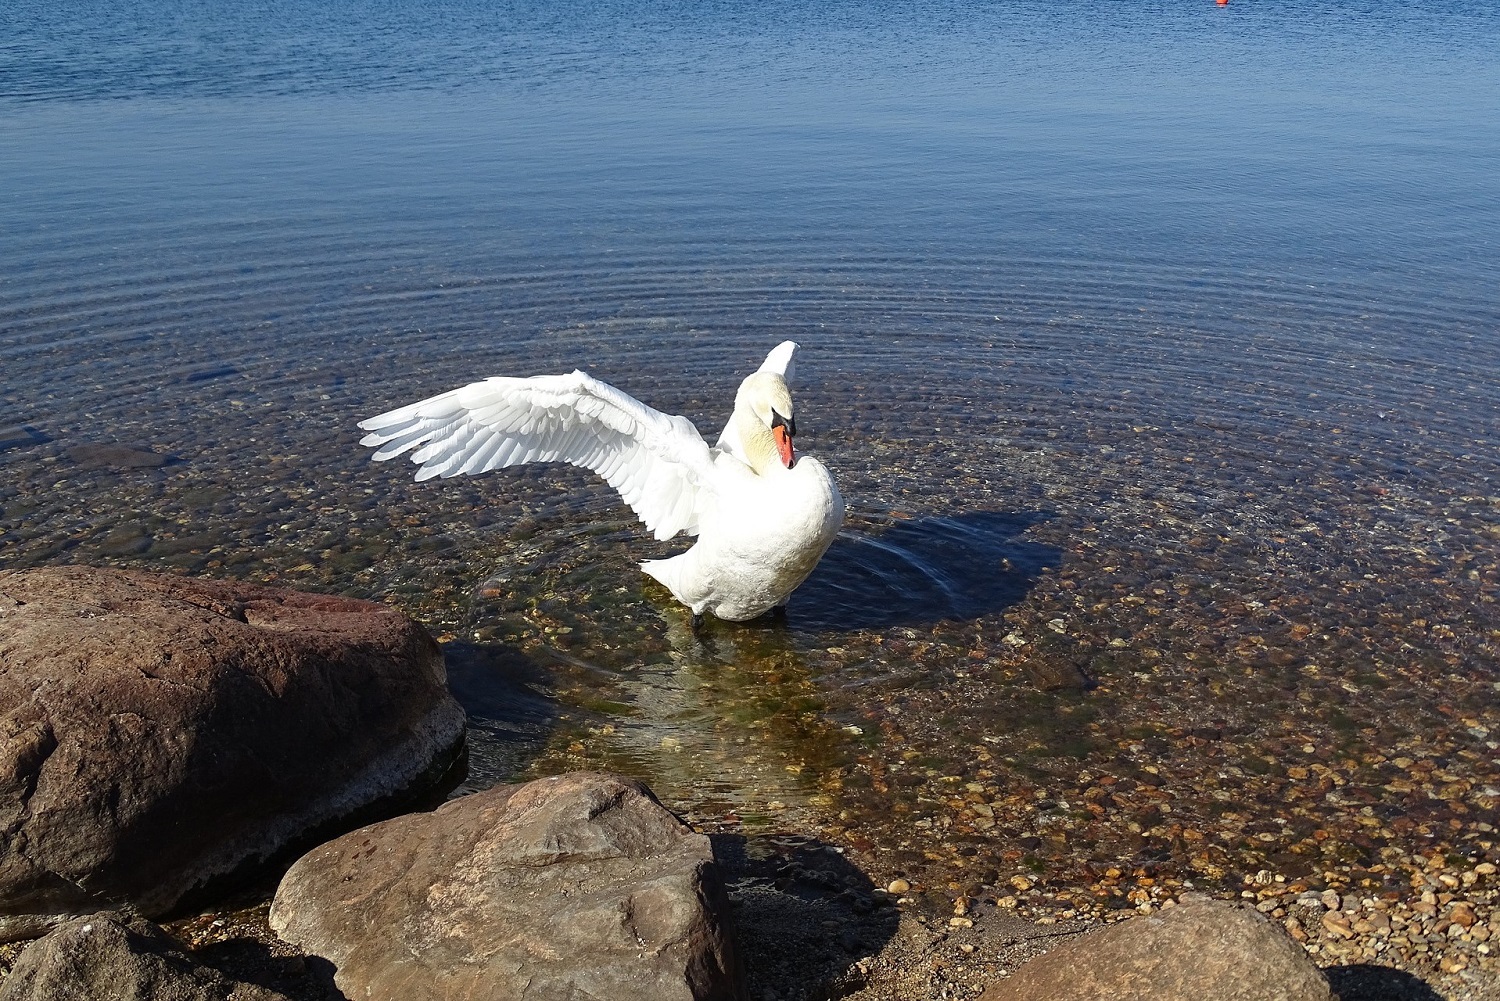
(1152, 340)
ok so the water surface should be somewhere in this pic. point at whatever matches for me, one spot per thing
(1152, 344)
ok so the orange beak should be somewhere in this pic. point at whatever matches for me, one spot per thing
(784, 445)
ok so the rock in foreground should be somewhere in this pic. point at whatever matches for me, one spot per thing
(103, 957)
(577, 886)
(158, 733)
(1199, 950)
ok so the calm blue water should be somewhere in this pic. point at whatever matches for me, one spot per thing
(336, 172)
(1133, 299)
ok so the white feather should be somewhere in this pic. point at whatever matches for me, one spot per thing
(575, 418)
(781, 360)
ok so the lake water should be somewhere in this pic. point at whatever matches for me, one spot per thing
(1153, 345)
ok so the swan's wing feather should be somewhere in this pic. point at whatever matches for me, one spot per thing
(659, 463)
(782, 360)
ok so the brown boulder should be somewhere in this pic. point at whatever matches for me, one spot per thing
(579, 886)
(1202, 949)
(159, 733)
(105, 957)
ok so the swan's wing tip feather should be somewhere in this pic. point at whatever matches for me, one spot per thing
(781, 360)
(387, 420)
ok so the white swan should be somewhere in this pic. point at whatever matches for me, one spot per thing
(763, 516)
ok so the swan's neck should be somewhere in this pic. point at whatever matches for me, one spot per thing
(758, 442)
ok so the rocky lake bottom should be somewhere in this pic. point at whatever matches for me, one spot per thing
(1062, 678)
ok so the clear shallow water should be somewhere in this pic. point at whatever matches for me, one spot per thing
(1152, 344)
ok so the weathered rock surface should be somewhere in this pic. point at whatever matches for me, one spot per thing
(105, 957)
(580, 886)
(116, 456)
(1199, 950)
(158, 733)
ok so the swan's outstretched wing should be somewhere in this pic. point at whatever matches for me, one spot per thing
(659, 463)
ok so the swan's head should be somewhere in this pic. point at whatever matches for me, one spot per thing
(765, 398)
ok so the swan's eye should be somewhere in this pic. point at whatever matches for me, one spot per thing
(790, 423)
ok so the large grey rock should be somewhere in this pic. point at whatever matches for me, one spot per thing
(105, 957)
(159, 733)
(577, 887)
(1204, 949)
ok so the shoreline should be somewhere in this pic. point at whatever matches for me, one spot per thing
(924, 954)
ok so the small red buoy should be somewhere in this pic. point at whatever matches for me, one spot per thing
(1222, 3)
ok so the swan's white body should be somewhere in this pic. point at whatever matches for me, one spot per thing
(763, 517)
